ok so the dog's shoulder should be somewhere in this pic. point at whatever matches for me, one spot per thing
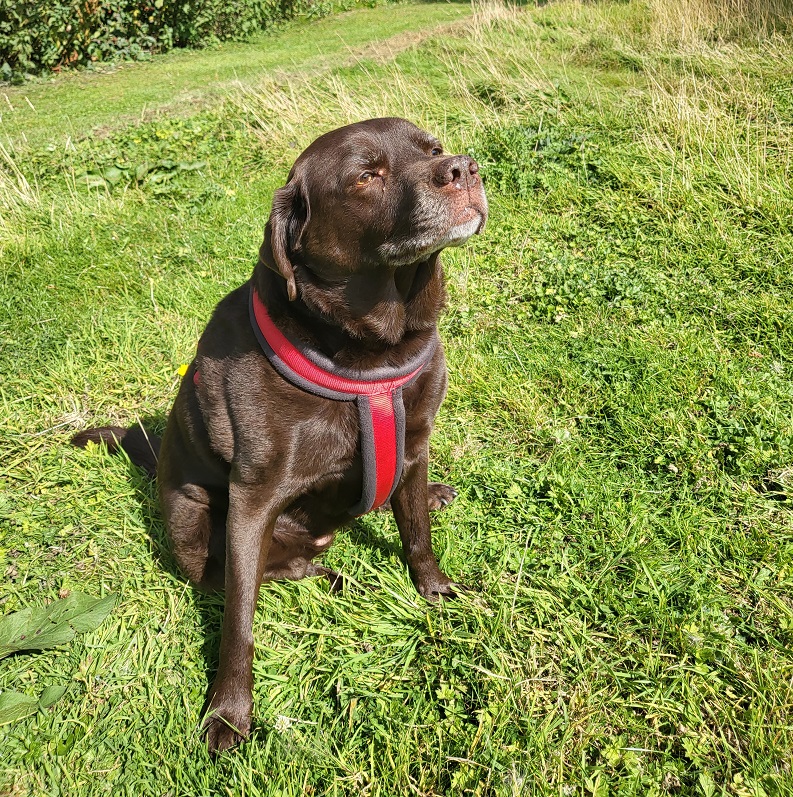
(229, 332)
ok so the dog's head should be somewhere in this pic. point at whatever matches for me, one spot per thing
(364, 207)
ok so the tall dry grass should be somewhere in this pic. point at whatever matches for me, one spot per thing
(690, 22)
(701, 112)
(484, 84)
(718, 131)
(16, 192)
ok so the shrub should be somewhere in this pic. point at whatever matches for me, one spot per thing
(37, 36)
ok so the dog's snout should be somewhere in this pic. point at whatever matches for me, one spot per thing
(459, 171)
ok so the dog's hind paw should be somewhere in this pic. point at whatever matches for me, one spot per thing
(439, 495)
(336, 580)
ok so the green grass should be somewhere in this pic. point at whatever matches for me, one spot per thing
(618, 424)
(177, 83)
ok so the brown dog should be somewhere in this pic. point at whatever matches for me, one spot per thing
(262, 461)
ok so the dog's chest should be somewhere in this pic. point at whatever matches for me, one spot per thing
(325, 438)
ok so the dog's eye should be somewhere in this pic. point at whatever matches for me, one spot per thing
(436, 151)
(365, 177)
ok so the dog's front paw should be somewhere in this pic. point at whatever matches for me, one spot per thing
(226, 724)
(439, 495)
(438, 586)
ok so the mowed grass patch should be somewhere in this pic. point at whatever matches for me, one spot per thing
(617, 423)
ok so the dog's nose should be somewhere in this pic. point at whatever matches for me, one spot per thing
(460, 171)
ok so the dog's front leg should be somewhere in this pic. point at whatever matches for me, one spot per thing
(253, 511)
(409, 504)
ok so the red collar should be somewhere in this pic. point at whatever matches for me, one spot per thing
(378, 394)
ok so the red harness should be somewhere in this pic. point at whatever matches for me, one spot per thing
(378, 395)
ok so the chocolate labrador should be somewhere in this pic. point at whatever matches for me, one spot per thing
(314, 388)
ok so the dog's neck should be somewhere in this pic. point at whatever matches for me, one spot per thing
(364, 321)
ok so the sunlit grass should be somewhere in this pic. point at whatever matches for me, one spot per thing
(618, 424)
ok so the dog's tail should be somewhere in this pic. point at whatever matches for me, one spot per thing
(142, 447)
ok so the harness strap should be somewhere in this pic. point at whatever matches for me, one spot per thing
(382, 424)
(378, 396)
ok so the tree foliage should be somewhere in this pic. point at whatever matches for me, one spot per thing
(36, 36)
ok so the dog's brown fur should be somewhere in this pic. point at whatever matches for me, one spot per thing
(255, 475)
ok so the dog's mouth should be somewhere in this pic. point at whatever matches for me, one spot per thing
(467, 215)
(466, 223)
(466, 219)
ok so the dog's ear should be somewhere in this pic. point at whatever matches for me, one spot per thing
(288, 220)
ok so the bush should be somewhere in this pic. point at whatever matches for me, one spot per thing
(36, 36)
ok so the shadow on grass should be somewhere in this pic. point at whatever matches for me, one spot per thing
(361, 534)
(208, 604)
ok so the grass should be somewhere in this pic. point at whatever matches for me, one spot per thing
(182, 80)
(618, 424)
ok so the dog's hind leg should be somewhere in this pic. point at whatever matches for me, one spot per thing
(196, 523)
(292, 549)
(336, 580)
